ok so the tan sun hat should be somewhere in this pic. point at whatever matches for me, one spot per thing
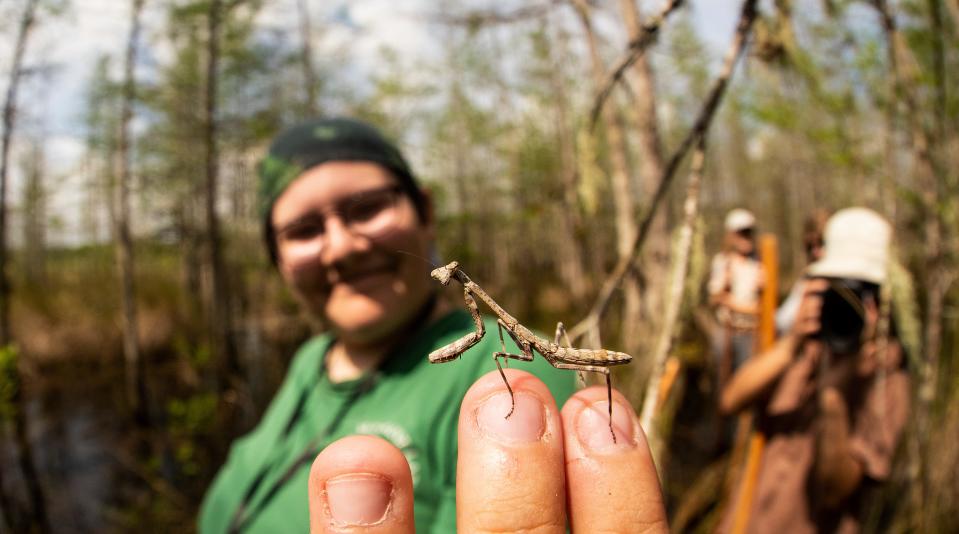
(739, 219)
(856, 246)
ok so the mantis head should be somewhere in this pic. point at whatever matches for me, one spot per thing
(445, 273)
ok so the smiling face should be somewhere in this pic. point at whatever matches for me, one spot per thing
(365, 276)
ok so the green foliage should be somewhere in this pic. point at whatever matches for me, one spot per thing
(771, 109)
(400, 87)
(536, 164)
(198, 355)
(688, 59)
(100, 116)
(189, 418)
(9, 381)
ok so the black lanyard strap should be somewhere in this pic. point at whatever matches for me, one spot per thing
(244, 513)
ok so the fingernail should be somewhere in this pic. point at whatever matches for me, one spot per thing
(592, 427)
(358, 498)
(526, 424)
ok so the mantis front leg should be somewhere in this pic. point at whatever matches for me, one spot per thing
(455, 349)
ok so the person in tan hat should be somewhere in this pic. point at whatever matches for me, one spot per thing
(832, 395)
(735, 282)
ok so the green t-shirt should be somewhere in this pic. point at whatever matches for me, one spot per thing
(411, 403)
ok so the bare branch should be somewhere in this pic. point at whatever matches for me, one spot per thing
(698, 130)
(677, 285)
(634, 50)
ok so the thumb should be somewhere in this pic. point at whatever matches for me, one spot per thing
(361, 484)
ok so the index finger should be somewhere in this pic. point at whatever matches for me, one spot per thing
(809, 314)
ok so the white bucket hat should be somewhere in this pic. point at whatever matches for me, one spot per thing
(856, 246)
(739, 219)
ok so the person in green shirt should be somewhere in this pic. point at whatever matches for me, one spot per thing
(349, 230)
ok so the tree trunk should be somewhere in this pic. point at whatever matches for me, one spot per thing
(310, 85)
(6, 504)
(572, 268)
(9, 119)
(930, 182)
(34, 214)
(622, 186)
(938, 278)
(27, 466)
(650, 153)
(677, 284)
(220, 316)
(123, 242)
(9, 115)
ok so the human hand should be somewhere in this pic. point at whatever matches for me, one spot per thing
(539, 470)
(809, 315)
(859, 359)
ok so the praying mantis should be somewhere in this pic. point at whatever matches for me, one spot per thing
(595, 360)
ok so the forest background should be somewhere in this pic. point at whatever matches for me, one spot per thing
(582, 154)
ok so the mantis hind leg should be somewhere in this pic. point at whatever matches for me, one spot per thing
(609, 385)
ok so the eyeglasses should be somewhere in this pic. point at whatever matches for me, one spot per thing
(745, 232)
(370, 213)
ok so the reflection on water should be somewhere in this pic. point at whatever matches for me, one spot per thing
(75, 435)
(93, 476)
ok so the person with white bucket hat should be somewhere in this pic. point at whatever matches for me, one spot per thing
(832, 395)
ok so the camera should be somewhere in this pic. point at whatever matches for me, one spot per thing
(843, 314)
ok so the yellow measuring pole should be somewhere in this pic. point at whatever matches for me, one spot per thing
(765, 337)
